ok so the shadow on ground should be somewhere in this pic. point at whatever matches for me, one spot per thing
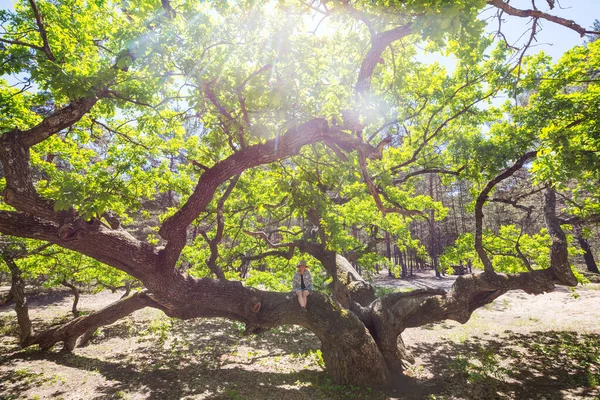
(188, 359)
(541, 365)
(203, 359)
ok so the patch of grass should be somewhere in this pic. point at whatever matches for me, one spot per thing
(233, 394)
(239, 327)
(25, 377)
(516, 365)
(160, 328)
(582, 352)
(333, 391)
(9, 326)
(122, 395)
(478, 366)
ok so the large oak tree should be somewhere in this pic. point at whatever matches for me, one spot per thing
(187, 143)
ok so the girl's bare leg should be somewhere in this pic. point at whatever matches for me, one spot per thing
(301, 298)
(305, 294)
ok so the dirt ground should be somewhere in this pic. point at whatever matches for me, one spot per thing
(519, 347)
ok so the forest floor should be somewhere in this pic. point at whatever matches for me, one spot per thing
(519, 347)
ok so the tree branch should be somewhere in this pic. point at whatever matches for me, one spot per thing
(359, 15)
(213, 243)
(559, 255)
(540, 15)
(399, 181)
(42, 29)
(513, 203)
(577, 220)
(375, 194)
(19, 43)
(378, 44)
(110, 246)
(231, 120)
(174, 228)
(71, 331)
(481, 200)
(265, 237)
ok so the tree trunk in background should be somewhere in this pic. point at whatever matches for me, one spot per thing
(461, 207)
(588, 256)
(454, 214)
(18, 291)
(559, 255)
(75, 292)
(388, 252)
(403, 262)
(127, 289)
(432, 232)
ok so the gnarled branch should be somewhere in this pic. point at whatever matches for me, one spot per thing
(504, 6)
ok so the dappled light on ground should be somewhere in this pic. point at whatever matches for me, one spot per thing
(537, 365)
(502, 352)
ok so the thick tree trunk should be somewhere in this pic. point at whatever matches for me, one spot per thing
(348, 285)
(18, 292)
(588, 256)
(361, 347)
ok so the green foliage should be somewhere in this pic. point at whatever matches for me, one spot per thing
(160, 328)
(182, 94)
(270, 281)
(53, 265)
(502, 249)
(317, 355)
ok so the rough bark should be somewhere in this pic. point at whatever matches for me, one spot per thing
(180, 296)
(349, 351)
(18, 292)
(348, 285)
(361, 347)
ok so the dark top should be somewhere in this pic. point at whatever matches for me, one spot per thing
(302, 286)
